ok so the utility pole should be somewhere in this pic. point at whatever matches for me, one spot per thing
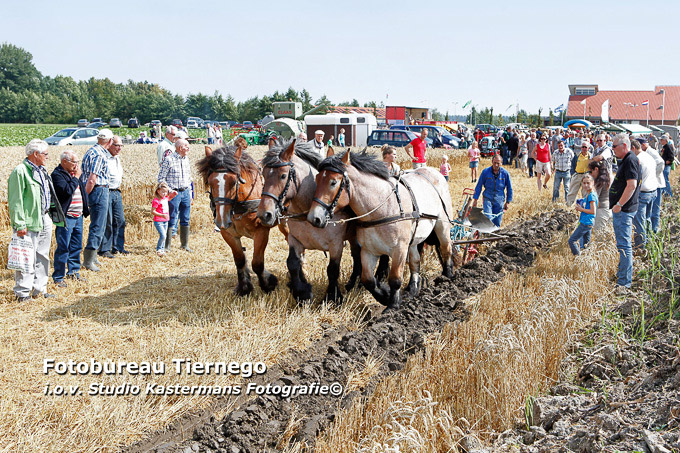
(663, 106)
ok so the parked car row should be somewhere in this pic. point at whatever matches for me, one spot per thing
(193, 122)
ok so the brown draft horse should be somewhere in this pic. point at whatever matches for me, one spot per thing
(235, 184)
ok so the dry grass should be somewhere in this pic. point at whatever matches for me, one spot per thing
(143, 308)
(482, 370)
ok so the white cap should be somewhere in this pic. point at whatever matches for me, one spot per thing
(181, 134)
(105, 134)
(319, 132)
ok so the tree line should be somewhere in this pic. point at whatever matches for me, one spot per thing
(27, 96)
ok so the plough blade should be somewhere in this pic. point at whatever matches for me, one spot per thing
(480, 222)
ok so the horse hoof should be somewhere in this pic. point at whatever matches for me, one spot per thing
(243, 289)
(269, 284)
(334, 297)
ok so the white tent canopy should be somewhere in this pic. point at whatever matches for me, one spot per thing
(635, 129)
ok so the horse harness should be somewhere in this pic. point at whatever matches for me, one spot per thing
(238, 207)
(280, 200)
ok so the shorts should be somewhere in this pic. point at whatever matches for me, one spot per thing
(417, 165)
(474, 164)
(542, 168)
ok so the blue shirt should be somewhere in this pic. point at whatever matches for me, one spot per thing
(495, 185)
(96, 161)
(588, 219)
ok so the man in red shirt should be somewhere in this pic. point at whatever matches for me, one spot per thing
(418, 145)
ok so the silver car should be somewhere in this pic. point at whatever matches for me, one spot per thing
(74, 136)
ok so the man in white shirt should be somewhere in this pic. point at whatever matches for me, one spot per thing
(167, 145)
(648, 187)
(114, 234)
(660, 164)
(319, 146)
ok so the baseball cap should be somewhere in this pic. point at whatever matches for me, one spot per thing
(642, 140)
(319, 132)
(105, 134)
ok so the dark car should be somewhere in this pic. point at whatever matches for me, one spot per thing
(133, 123)
(440, 136)
(485, 129)
(177, 123)
(97, 120)
(392, 137)
(97, 124)
(115, 122)
(82, 123)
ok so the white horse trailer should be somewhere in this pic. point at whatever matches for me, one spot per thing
(357, 126)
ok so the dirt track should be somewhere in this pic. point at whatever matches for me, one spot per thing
(257, 424)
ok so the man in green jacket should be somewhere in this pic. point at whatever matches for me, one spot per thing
(32, 205)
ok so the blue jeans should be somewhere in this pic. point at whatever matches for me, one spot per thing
(530, 164)
(580, 238)
(623, 228)
(493, 209)
(643, 218)
(561, 177)
(180, 209)
(505, 154)
(162, 228)
(666, 175)
(114, 234)
(98, 202)
(69, 244)
(656, 209)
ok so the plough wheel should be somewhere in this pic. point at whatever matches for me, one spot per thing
(470, 250)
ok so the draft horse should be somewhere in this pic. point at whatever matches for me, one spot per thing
(235, 187)
(289, 171)
(397, 217)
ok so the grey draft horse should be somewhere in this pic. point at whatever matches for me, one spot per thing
(399, 215)
(289, 171)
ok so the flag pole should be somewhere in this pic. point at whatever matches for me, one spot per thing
(647, 113)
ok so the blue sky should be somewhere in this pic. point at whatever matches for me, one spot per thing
(435, 54)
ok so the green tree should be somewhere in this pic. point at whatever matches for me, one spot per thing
(552, 117)
(17, 72)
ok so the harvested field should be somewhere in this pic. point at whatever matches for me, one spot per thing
(144, 308)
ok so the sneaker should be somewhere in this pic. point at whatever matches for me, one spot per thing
(106, 255)
(22, 299)
(122, 252)
(76, 277)
(61, 284)
(621, 290)
(45, 295)
(160, 253)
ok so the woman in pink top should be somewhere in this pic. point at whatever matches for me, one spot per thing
(542, 151)
(473, 153)
(161, 214)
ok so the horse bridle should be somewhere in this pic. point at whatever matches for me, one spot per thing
(280, 200)
(243, 206)
(330, 208)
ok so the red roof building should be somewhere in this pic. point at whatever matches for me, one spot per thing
(625, 106)
(378, 111)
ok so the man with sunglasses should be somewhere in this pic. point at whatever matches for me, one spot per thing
(603, 152)
(33, 210)
(580, 171)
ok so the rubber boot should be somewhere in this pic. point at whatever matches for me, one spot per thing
(168, 240)
(88, 260)
(184, 238)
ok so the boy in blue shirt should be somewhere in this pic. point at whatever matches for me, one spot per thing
(581, 236)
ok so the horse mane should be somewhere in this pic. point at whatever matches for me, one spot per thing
(363, 161)
(304, 150)
(223, 159)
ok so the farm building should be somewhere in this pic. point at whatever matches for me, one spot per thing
(658, 106)
(358, 126)
(406, 115)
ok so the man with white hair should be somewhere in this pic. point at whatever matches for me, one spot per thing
(648, 187)
(176, 173)
(70, 190)
(319, 147)
(167, 145)
(33, 209)
(114, 234)
(95, 175)
(603, 152)
(623, 199)
(661, 182)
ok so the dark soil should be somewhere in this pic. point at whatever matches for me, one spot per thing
(623, 389)
(258, 424)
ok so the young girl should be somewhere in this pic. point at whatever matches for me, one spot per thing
(388, 153)
(445, 168)
(161, 214)
(523, 153)
(588, 208)
(473, 153)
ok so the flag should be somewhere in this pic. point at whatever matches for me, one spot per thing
(645, 102)
(559, 108)
(605, 111)
(467, 103)
(583, 102)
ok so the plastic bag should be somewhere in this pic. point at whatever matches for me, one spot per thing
(21, 254)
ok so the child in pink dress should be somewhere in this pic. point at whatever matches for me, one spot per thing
(445, 168)
(161, 214)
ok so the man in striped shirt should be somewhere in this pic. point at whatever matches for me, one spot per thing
(70, 191)
(561, 161)
(96, 178)
(176, 172)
